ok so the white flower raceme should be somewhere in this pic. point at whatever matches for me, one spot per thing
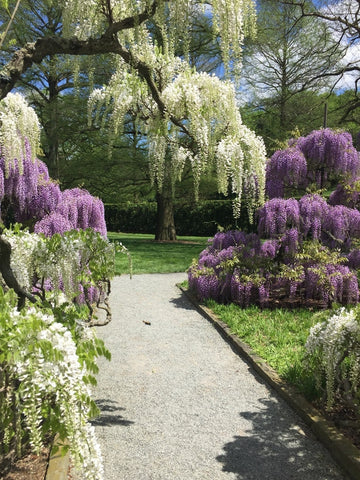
(18, 122)
(22, 261)
(202, 125)
(332, 342)
(49, 372)
(232, 20)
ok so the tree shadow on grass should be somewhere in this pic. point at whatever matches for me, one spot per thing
(109, 414)
(276, 448)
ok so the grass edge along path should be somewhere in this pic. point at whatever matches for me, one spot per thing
(345, 453)
(276, 335)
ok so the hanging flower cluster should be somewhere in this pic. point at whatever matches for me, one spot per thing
(286, 169)
(241, 268)
(232, 21)
(27, 186)
(333, 349)
(322, 156)
(76, 209)
(76, 264)
(200, 125)
(18, 122)
(33, 196)
(41, 356)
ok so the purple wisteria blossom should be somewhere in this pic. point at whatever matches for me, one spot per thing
(296, 256)
(329, 152)
(278, 215)
(313, 209)
(76, 209)
(35, 197)
(51, 224)
(340, 225)
(286, 168)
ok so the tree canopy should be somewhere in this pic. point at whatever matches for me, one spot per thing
(183, 115)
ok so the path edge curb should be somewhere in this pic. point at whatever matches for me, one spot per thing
(340, 448)
(58, 464)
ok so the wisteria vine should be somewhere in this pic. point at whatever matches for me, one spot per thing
(306, 249)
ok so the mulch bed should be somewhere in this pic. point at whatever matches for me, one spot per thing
(29, 467)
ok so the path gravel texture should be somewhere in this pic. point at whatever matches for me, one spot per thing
(178, 403)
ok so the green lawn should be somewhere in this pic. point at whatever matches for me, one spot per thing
(278, 336)
(149, 256)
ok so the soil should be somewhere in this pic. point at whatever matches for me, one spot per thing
(346, 421)
(30, 467)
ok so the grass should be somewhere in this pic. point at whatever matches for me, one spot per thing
(149, 256)
(278, 336)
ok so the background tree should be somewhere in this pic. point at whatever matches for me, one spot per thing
(284, 70)
(343, 18)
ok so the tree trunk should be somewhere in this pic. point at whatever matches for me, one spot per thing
(165, 224)
(51, 129)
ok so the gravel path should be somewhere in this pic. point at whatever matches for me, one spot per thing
(178, 404)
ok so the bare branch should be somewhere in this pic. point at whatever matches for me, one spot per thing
(35, 52)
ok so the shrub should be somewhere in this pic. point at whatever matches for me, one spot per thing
(241, 268)
(305, 248)
(199, 219)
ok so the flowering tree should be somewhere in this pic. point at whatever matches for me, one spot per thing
(185, 116)
(315, 161)
(306, 250)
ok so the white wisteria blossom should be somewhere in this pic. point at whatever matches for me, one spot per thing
(48, 371)
(18, 124)
(232, 20)
(61, 262)
(201, 124)
(334, 345)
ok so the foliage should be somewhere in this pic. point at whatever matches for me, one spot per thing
(47, 362)
(204, 217)
(287, 71)
(333, 354)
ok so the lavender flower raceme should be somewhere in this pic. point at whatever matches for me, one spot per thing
(286, 168)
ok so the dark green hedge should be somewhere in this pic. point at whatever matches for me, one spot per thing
(203, 218)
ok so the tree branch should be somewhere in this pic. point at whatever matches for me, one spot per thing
(35, 52)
